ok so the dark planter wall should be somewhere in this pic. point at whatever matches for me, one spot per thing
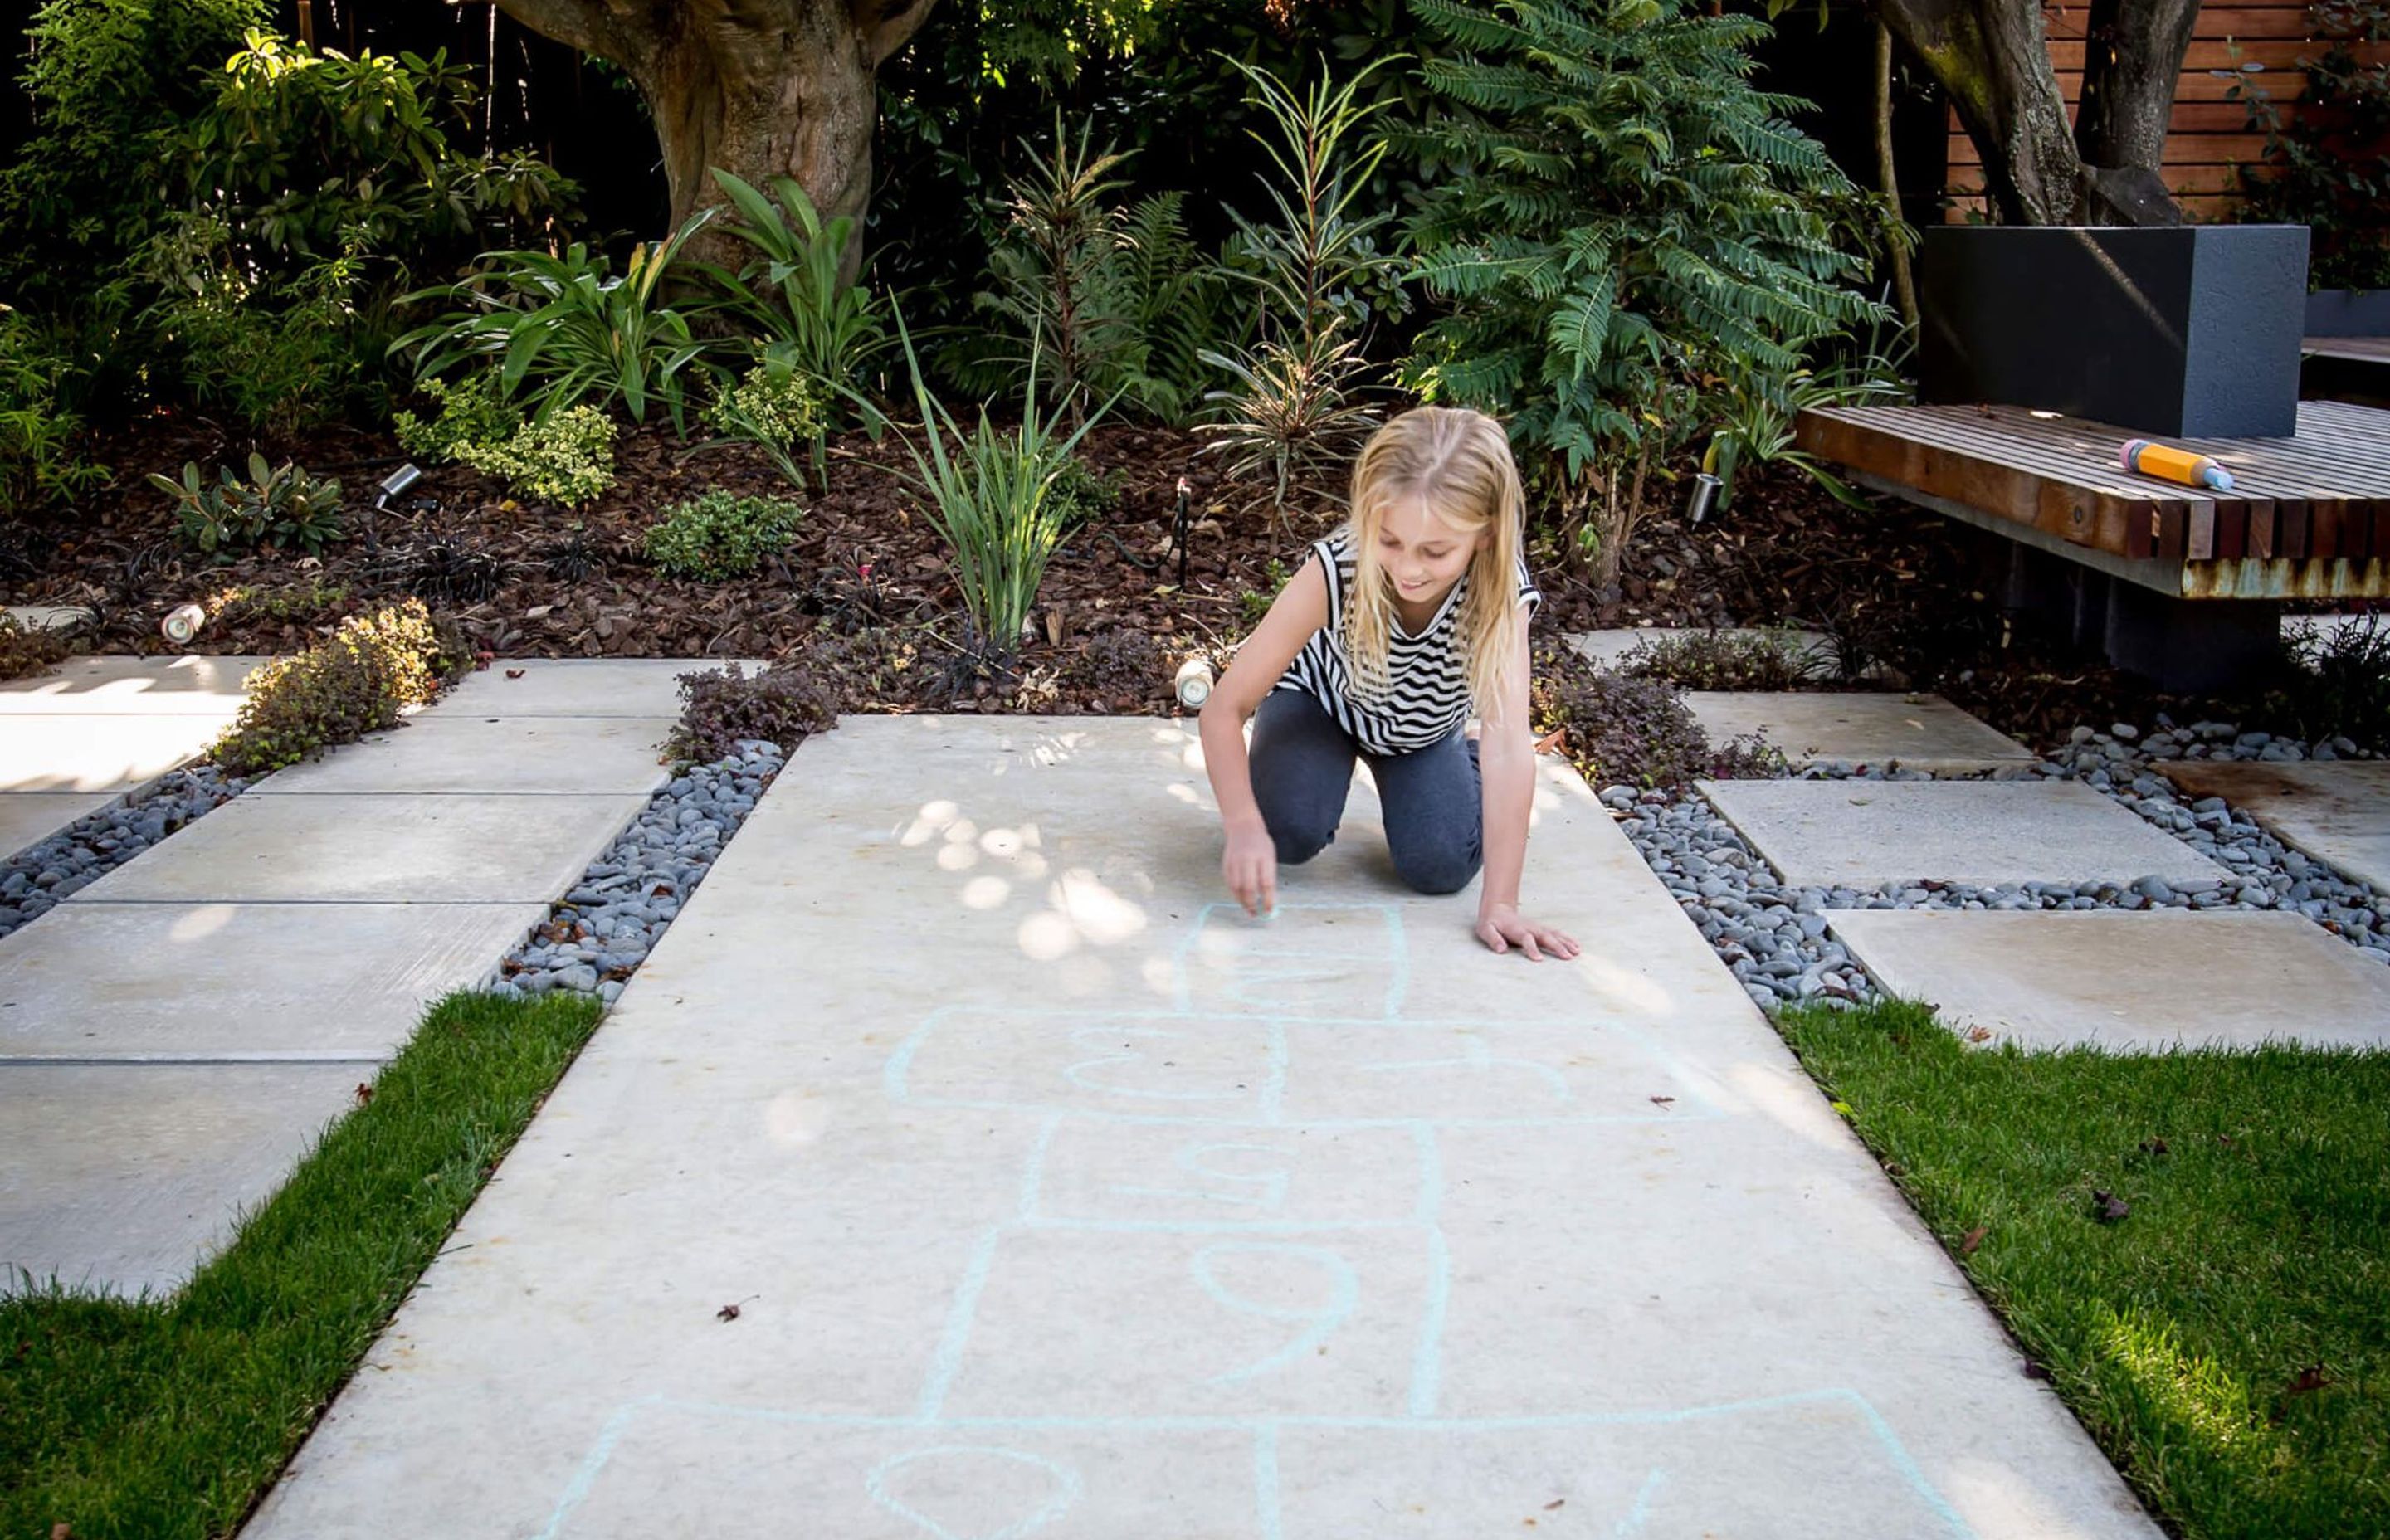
(2348, 312)
(2185, 332)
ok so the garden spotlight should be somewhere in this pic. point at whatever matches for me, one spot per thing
(392, 485)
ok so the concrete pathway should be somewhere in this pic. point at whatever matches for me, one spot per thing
(2337, 812)
(1057, 1200)
(173, 1036)
(1850, 728)
(89, 731)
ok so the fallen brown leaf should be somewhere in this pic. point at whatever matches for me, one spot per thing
(365, 1092)
(2307, 1380)
(62, 1532)
(1554, 1505)
(728, 1313)
(1972, 1239)
(2034, 1371)
(1979, 1034)
(2107, 1207)
(514, 673)
(1556, 738)
(2153, 1146)
(1662, 1101)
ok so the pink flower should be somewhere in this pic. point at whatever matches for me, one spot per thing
(864, 570)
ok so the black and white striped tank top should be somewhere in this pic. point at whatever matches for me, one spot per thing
(1427, 696)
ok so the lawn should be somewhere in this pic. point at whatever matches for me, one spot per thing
(2194, 1248)
(157, 1420)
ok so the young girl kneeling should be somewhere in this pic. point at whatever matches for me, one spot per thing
(1405, 620)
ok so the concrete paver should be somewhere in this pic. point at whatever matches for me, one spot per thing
(133, 980)
(2128, 983)
(1868, 834)
(1851, 728)
(118, 686)
(29, 818)
(579, 687)
(1060, 1199)
(143, 1168)
(448, 753)
(345, 847)
(2337, 812)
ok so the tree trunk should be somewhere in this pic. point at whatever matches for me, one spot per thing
(1992, 58)
(2132, 59)
(1904, 286)
(760, 88)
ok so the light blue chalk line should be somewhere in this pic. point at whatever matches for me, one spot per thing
(1033, 1175)
(1427, 1362)
(1273, 1105)
(1048, 1225)
(1066, 1492)
(1392, 953)
(948, 1358)
(584, 1480)
(1398, 986)
(1555, 1422)
(1346, 1285)
(1266, 1519)
(1189, 1159)
(1640, 1514)
(1480, 1055)
(1325, 1125)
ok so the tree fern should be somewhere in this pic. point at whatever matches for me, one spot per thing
(1631, 223)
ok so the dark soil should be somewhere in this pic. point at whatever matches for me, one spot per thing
(1889, 584)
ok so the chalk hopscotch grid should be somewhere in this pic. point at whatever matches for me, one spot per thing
(1264, 1429)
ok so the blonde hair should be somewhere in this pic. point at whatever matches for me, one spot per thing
(1459, 462)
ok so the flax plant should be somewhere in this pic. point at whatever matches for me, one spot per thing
(991, 494)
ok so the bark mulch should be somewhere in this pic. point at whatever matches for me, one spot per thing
(528, 579)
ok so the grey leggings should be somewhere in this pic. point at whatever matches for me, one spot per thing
(1303, 766)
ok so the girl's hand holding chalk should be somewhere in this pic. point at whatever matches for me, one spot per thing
(1250, 865)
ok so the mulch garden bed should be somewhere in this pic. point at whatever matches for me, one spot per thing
(528, 579)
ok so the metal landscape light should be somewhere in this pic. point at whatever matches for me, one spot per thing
(391, 486)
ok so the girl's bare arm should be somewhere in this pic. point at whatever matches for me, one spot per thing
(1250, 862)
(1506, 761)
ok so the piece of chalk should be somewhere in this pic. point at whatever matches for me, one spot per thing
(1271, 913)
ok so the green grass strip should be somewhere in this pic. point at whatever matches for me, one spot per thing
(160, 1419)
(2227, 1340)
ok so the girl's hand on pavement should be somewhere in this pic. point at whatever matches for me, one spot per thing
(1250, 865)
(1502, 928)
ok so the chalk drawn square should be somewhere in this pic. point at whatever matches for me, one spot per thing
(1313, 961)
(1101, 1174)
(1523, 1072)
(1802, 1468)
(1135, 1066)
(1079, 1324)
(671, 1468)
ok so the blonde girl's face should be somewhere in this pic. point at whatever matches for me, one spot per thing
(1422, 553)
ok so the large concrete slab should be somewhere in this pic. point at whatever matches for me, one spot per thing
(29, 818)
(124, 1178)
(148, 981)
(2128, 983)
(1606, 647)
(373, 848)
(126, 686)
(1059, 1200)
(448, 752)
(1851, 728)
(98, 753)
(1870, 834)
(2337, 812)
(578, 686)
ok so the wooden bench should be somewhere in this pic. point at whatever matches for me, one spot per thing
(2352, 368)
(2308, 518)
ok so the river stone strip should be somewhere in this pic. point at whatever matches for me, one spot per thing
(37, 879)
(1778, 937)
(596, 939)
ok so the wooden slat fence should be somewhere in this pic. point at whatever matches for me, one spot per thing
(2209, 133)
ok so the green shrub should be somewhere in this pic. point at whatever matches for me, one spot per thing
(825, 328)
(562, 326)
(565, 458)
(776, 408)
(2326, 165)
(2340, 684)
(783, 704)
(721, 535)
(277, 354)
(352, 682)
(474, 414)
(25, 651)
(1618, 222)
(41, 459)
(282, 508)
(1623, 730)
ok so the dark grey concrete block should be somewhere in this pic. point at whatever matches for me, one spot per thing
(2185, 332)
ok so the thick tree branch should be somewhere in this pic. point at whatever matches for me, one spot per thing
(617, 29)
(888, 25)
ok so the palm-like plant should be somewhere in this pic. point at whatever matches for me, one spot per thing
(562, 327)
(792, 293)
